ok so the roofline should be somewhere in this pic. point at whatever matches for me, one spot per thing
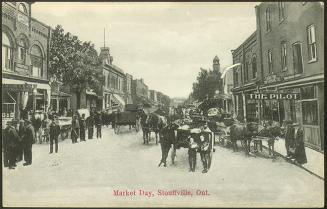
(244, 42)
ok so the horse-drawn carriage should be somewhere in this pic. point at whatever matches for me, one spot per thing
(130, 117)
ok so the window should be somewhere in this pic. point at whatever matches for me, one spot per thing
(312, 47)
(246, 71)
(281, 11)
(22, 8)
(270, 62)
(7, 50)
(22, 50)
(108, 81)
(268, 20)
(236, 76)
(310, 112)
(284, 56)
(297, 58)
(254, 66)
(36, 61)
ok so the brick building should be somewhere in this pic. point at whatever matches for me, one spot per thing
(25, 45)
(140, 92)
(128, 89)
(289, 43)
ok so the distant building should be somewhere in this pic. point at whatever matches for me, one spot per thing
(140, 92)
(128, 89)
(25, 51)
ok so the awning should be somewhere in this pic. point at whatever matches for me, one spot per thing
(60, 94)
(21, 82)
(119, 99)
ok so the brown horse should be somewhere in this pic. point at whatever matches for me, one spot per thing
(244, 133)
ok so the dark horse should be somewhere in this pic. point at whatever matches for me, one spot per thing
(155, 123)
(145, 129)
(167, 138)
(244, 133)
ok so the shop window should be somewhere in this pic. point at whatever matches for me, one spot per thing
(254, 66)
(284, 55)
(7, 53)
(36, 61)
(268, 20)
(281, 11)
(297, 58)
(293, 110)
(270, 62)
(312, 46)
(310, 112)
(308, 92)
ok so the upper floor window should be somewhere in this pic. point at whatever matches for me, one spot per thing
(281, 11)
(22, 8)
(270, 62)
(22, 50)
(284, 55)
(236, 76)
(7, 52)
(312, 46)
(108, 81)
(297, 58)
(36, 61)
(268, 19)
(254, 67)
(246, 71)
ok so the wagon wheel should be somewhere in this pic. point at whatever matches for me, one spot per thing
(116, 129)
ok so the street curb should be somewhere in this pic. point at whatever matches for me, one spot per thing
(298, 165)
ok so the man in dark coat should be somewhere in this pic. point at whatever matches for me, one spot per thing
(54, 134)
(98, 123)
(90, 126)
(75, 129)
(289, 137)
(11, 142)
(204, 153)
(21, 133)
(82, 127)
(300, 155)
(28, 140)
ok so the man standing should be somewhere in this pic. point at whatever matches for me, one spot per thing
(28, 140)
(37, 123)
(75, 129)
(90, 126)
(11, 141)
(46, 127)
(98, 122)
(204, 153)
(289, 137)
(300, 155)
(54, 134)
(21, 133)
(82, 127)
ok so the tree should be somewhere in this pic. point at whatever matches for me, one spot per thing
(74, 62)
(206, 85)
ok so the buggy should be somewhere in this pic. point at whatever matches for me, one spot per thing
(128, 117)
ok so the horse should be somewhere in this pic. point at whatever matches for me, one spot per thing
(145, 129)
(167, 138)
(243, 132)
(155, 123)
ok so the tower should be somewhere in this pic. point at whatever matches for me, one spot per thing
(105, 52)
(216, 64)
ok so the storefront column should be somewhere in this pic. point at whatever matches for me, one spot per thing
(18, 103)
(244, 106)
(34, 99)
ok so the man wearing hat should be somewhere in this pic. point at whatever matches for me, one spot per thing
(11, 141)
(289, 136)
(28, 140)
(54, 134)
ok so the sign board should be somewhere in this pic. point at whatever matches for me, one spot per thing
(19, 87)
(272, 96)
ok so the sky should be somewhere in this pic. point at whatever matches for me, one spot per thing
(165, 43)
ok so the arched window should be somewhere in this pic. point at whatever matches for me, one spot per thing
(22, 49)
(7, 50)
(268, 20)
(36, 61)
(254, 66)
(22, 8)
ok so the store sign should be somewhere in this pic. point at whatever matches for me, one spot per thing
(277, 96)
(18, 87)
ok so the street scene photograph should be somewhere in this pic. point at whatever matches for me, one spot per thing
(163, 104)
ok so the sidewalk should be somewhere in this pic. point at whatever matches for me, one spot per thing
(315, 159)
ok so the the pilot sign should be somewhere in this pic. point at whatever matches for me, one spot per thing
(278, 96)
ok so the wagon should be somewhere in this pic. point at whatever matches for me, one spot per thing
(129, 117)
(182, 140)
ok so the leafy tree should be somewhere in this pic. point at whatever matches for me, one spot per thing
(206, 85)
(74, 62)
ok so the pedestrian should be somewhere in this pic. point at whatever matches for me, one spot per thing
(204, 153)
(21, 133)
(75, 129)
(82, 127)
(300, 155)
(28, 140)
(90, 126)
(11, 142)
(54, 134)
(37, 123)
(98, 123)
(46, 128)
(289, 137)
(193, 146)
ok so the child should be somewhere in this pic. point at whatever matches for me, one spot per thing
(192, 154)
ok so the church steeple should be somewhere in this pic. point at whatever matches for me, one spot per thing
(216, 64)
